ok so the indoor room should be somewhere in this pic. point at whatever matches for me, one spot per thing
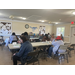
(37, 36)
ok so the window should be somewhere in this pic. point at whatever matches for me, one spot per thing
(60, 30)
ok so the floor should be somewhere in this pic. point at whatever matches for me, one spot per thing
(5, 59)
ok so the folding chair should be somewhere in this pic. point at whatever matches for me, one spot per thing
(43, 51)
(1, 42)
(34, 57)
(64, 52)
(14, 41)
(72, 45)
(69, 48)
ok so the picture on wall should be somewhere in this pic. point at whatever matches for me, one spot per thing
(5, 28)
(42, 30)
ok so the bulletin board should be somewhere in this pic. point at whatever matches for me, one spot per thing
(5, 28)
(42, 30)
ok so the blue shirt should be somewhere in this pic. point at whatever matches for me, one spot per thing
(12, 37)
(26, 47)
(56, 45)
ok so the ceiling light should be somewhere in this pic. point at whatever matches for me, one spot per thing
(74, 13)
(56, 23)
(24, 18)
(0, 13)
(42, 21)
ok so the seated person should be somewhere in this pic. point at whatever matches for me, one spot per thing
(26, 34)
(13, 37)
(52, 37)
(56, 43)
(49, 36)
(45, 38)
(25, 48)
(41, 36)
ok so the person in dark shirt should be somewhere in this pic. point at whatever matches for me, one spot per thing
(45, 38)
(62, 37)
(25, 48)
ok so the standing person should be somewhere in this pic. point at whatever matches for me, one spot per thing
(25, 48)
(56, 43)
(62, 37)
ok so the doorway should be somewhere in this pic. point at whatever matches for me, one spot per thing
(72, 35)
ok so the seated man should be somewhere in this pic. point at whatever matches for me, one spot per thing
(25, 48)
(56, 43)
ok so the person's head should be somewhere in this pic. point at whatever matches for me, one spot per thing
(13, 33)
(58, 38)
(22, 34)
(23, 39)
(25, 33)
(48, 33)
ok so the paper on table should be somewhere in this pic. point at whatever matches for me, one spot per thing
(16, 45)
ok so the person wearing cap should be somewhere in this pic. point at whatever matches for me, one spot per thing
(56, 43)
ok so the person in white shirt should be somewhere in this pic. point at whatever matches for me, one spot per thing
(56, 43)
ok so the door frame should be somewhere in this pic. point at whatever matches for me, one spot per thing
(70, 32)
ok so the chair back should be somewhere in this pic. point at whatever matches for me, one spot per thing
(63, 47)
(32, 54)
(68, 44)
(14, 41)
(37, 40)
(72, 44)
(1, 37)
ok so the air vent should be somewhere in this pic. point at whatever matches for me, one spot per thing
(34, 17)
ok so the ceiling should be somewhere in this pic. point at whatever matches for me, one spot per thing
(49, 16)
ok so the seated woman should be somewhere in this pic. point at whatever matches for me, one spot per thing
(25, 48)
(13, 37)
(56, 43)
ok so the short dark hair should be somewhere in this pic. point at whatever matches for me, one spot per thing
(13, 33)
(23, 38)
(25, 33)
(22, 34)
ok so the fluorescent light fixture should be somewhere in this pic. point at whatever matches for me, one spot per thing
(42, 21)
(74, 13)
(24, 18)
(56, 23)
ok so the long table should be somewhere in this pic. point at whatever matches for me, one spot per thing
(34, 44)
